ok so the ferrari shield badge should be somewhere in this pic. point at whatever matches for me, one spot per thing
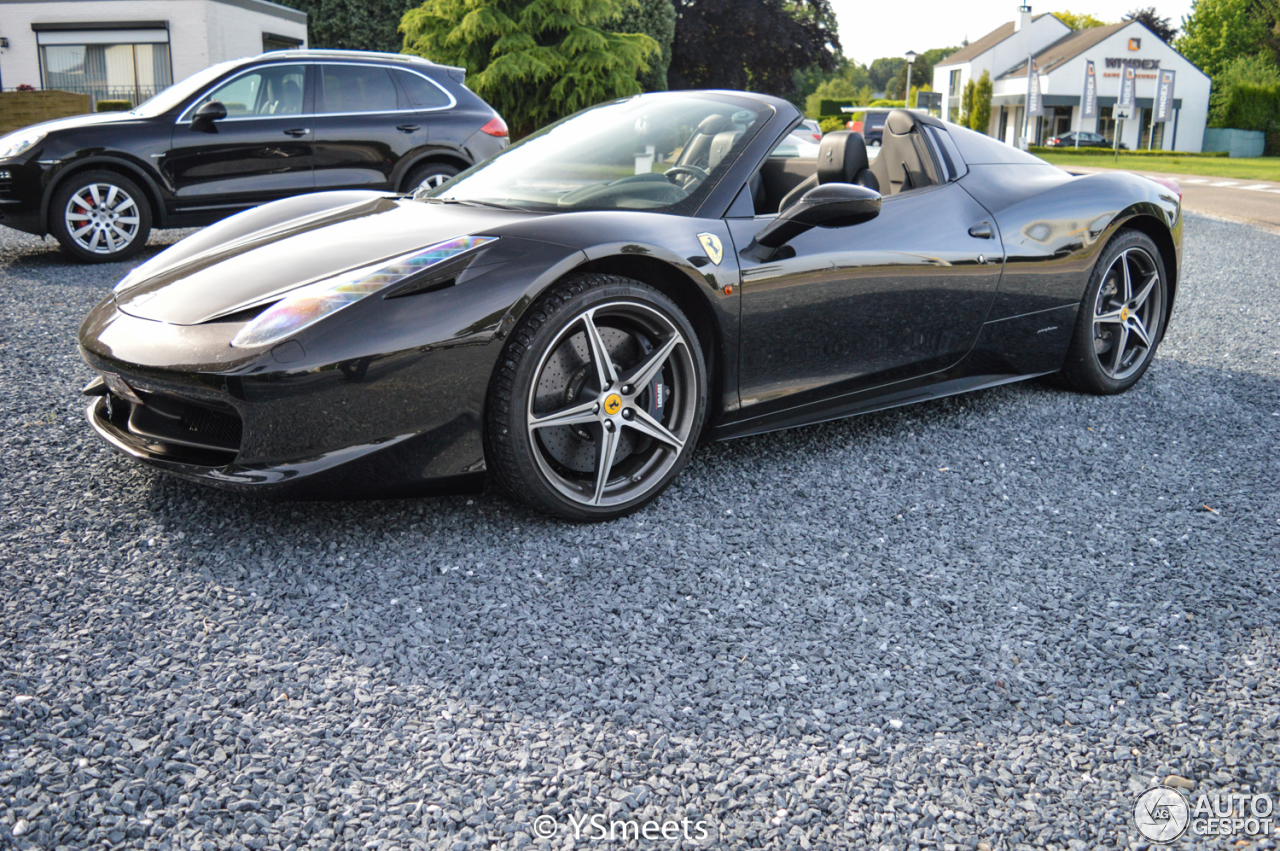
(711, 245)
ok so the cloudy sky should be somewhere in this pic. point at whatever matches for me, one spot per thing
(886, 28)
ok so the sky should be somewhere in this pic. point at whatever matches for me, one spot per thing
(885, 28)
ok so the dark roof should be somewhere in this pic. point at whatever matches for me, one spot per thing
(1067, 48)
(976, 48)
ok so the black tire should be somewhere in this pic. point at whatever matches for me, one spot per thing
(546, 373)
(431, 174)
(1094, 365)
(113, 229)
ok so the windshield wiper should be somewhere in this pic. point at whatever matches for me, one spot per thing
(470, 202)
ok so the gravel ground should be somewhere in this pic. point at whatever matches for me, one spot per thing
(980, 623)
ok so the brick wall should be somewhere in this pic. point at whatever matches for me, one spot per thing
(22, 109)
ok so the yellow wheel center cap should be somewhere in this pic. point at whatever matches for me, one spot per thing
(1124, 314)
(612, 404)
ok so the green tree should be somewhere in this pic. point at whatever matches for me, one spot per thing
(921, 71)
(354, 24)
(1152, 20)
(966, 104)
(980, 117)
(885, 69)
(1079, 20)
(757, 45)
(1243, 71)
(656, 19)
(535, 61)
(1219, 31)
(847, 83)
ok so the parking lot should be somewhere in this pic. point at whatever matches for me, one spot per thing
(987, 622)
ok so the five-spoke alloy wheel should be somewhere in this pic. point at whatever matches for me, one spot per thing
(599, 400)
(1121, 318)
(100, 216)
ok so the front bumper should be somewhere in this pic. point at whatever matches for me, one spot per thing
(21, 194)
(370, 471)
(368, 427)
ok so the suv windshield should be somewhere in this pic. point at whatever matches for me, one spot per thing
(661, 152)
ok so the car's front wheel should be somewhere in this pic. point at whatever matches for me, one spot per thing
(1121, 318)
(598, 400)
(100, 216)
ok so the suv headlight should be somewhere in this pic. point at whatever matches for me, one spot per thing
(20, 142)
(308, 305)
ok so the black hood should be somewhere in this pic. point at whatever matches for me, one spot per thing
(235, 264)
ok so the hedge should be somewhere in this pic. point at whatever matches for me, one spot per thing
(115, 105)
(1039, 149)
(1251, 107)
(828, 106)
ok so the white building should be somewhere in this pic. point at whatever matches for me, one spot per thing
(1060, 54)
(131, 49)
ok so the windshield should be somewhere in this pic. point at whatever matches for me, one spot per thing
(180, 91)
(661, 152)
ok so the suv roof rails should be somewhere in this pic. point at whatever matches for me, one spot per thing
(458, 74)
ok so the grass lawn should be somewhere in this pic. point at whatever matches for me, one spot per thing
(1260, 168)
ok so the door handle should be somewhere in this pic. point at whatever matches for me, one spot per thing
(982, 230)
(407, 128)
(297, 131)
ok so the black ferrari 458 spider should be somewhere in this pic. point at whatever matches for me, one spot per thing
(572, 315)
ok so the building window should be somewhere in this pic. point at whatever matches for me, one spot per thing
(954, 94)
(271, 41)
(132, 72)
(1106, 124)
(1144, 140)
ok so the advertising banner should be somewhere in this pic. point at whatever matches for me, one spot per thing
(1035, 103)
(1128, 86)
(1164, 97)
(1089, 103)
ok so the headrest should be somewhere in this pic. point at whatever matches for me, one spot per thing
(900, 122)
(841, 155)
(720, 147)
(713, 124)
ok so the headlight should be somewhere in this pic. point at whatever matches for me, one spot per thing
(17, 143)
(306, 306)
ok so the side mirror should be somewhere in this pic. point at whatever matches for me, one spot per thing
(829, 205)
(209, 113)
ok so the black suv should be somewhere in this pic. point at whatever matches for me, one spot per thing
(237, 135)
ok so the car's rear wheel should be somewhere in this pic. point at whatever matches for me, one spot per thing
(598, 400)
(1121, 318)
(100, 216)
(429, 176)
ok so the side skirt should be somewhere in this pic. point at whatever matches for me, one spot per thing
(937, 387)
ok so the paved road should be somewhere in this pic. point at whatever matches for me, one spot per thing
(1252, 202)
(983, 622)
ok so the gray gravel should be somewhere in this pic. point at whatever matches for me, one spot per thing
(985, 622)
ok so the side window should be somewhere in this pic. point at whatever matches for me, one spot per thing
(948, 154)
(268, 91)
(417, 92)
(358, 88)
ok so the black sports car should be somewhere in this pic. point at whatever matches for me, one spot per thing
(572, 315)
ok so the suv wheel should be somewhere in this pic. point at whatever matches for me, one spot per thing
(100, 216)
(429, 176)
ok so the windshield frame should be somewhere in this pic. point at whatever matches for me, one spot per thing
(763, 134)
(190, 86)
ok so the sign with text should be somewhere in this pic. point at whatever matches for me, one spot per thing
(1089, 103)
(1128, 86)
(1164, 97)
(1035, 103)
